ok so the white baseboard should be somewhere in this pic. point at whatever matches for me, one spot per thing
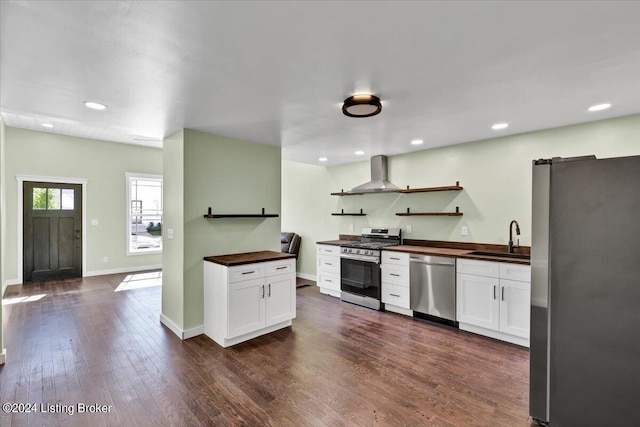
(9, 283)
(193, 332)
(183, 335)
(121, 270)
(3, 356)
(494, 334)
(306, 276)
(172, 326)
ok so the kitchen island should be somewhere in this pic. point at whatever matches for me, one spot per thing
(248, 294)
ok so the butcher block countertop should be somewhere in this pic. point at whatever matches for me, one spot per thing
(334, 242)
(448, 249)
(248, 258)
(456, 253)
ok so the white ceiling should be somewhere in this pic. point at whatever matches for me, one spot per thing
(277, 72)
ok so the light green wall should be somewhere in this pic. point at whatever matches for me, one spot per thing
(495, 174)
(104, 165)
(232, 177)
(304, 209)
(173, 217)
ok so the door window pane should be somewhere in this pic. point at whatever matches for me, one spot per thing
(39, 198)
(68, 198)
(53, 198)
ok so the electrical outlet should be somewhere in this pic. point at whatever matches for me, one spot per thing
(409, 229)
(170, 234)
(95, 222)
(464, 231)
(105, 259)
(350, 227)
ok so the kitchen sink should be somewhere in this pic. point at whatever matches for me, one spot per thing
(501, 254)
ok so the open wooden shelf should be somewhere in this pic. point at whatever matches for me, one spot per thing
(342, 193)
(343, 213)
(409, 213)
(456, 187)
(432, 189)
(262, 215)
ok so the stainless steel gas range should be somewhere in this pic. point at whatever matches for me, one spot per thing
(360, 266)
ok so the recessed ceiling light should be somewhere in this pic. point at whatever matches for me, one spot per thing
(361, 106)
(94, 105)
(47, 125)
(359, 153)
(323, 159)
(499, 126)
(599, 107)
(417, 142)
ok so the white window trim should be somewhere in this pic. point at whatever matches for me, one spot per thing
(128, 176)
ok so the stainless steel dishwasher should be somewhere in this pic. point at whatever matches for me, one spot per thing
(433, 286)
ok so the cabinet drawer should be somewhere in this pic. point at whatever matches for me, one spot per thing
(396, 275)
(478, 268)
(398, 258)
(328, 250)
(329, 264)
(521, 273)
(241, 273)
(329, 281)
(395, 295)
(274, 268)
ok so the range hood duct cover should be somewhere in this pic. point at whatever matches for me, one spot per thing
(379, 179)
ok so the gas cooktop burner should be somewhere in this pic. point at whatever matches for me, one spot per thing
(369, 245)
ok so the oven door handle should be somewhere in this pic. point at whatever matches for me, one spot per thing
(362, 258)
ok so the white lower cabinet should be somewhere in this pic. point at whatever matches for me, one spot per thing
(515, 309)
(476, 301)
(247, 301)
(493, 299)
(394, 280)
(328, 267)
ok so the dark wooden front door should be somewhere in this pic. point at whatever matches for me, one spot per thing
(52, 231)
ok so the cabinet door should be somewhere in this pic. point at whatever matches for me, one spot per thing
(395, 274)
(329, 281)
(478, 268)
(330, 250)
(515, 300)
(395, 295)
(477, 300)
(397, 258)
(280, 299)
(246, 307)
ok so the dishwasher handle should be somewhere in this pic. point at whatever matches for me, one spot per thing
(419, 261)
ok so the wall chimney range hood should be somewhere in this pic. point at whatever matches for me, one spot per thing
(379, 182)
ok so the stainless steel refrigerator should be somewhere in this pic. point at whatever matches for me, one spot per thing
(585, 292)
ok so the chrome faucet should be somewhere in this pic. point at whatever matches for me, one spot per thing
(511, 245)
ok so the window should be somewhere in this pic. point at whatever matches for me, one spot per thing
(144, 213)
(53, 199)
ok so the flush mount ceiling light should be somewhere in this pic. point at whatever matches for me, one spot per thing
(323, 159)
(417, 142)
(499, 126)
(47, 125)
(361, 106)
(599, 107)
(359, 153)
(94, 105)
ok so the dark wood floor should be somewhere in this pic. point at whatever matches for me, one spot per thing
(338, 365)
